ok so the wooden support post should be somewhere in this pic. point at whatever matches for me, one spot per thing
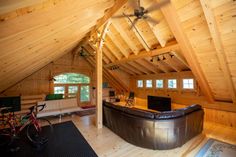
(99, 76)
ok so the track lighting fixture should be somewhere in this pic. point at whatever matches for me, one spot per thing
(163, 57)
(114, 67)
(171, 55)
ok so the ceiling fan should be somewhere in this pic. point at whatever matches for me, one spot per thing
(141, 13)
(84, 53)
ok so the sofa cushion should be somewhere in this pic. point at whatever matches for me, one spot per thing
(116, 107)
(190, 109)
(168, 115)
(139, 113)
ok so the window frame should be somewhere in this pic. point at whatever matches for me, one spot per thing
(163, 84)
(188, 89)
(175, 83)
(137, 84)
(76, 95)
(151, 83)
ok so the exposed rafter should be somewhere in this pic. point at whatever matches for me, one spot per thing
(140, 68)
(118, 44)
(148, 65)
(128, 67)
(171, 64)
(160, 66)
(114, 53)
(212, 25)
(174, 23)
(137, 33)
(125, 37)
(109, 13)
(159, 50)
(180, 58)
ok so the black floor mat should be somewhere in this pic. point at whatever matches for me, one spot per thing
(67, 141)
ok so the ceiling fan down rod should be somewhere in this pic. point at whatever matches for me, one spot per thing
(137, 30)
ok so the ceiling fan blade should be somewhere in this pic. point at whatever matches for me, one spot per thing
(133, 23)
(150, 19)
(123, 15)
(157, 6)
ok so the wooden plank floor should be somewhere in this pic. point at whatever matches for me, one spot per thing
(107, 144)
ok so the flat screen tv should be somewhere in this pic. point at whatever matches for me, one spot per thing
(13, 102)
(159, 103)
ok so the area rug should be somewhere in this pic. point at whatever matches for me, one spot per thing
(67, 141)
(215, 148)
(86, 112)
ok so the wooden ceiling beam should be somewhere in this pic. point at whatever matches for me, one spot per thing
(172, 46)
(118, 44)
(150, 66)
(180, 58)
(116, 54)
(137, 33)
(134, 67)
(140, 68)
(125, 37)
(175, 25)
(157, 64)
(131, 69)
(171, 64)
(119, 81)
(108, 14)
(126, 70)
(108, 54)
(92, 62)
(155, 28)
(215, 34)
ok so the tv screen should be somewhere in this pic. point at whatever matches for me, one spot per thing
(159, 103)
(13, 102)
(111, 93)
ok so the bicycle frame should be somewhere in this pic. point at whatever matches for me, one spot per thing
(16, 130)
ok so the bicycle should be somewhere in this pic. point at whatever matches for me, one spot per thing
(36, 133)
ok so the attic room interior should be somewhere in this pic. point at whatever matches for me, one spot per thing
(113, 78)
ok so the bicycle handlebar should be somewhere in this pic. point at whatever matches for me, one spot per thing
(5, 109)
(42, 107)
(33, 107)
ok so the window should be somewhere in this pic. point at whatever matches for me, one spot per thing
(72, 91)
(71, 78)
(70, 84)
(84, 93)
(188, 84)
(159, 84)
(59, 90)
(172, 83)
(140, 83)
(149, 83)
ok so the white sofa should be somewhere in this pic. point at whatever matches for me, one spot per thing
(58, 107)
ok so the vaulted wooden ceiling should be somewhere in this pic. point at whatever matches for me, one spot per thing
(196, 35)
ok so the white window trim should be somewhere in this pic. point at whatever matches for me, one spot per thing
(146, 83)
(163, 83)
(168, 83)
(188, 89)
(137, 84)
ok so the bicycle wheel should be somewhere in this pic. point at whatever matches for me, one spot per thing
(5, 134)
(40, 135)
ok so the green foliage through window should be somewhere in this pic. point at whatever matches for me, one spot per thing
(71, 78)
(84, 93)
